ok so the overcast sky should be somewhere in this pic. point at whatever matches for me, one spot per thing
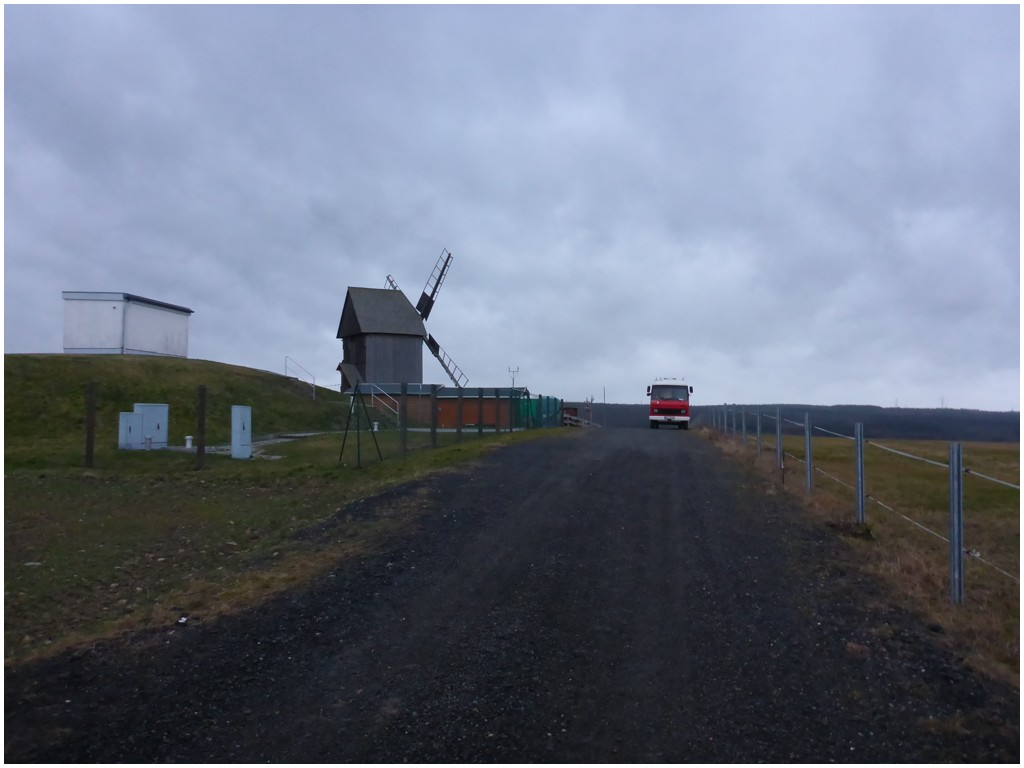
(794, 204)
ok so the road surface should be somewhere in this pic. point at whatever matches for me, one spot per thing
(620, 595)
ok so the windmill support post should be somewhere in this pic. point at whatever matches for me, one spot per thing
(353, 408)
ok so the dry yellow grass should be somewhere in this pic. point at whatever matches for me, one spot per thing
(893, 545)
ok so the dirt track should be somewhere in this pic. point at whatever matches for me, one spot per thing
(619, 596)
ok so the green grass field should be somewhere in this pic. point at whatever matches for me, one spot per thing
(142, 537)
(91, 552)
(895, 546)
(45, 402)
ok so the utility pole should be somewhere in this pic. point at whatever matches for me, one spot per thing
(514, 375)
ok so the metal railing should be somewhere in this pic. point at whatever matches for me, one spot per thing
(290, 364)
(381, 399)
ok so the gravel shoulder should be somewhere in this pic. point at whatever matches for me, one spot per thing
(623, 595)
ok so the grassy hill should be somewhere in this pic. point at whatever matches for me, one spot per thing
(45, 401)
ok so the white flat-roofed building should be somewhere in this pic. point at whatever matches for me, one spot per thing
(98, 323)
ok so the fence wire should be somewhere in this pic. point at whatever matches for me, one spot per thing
(969, 471)
(836, 434)
(942, 464)
(971, 553)
(925, 528)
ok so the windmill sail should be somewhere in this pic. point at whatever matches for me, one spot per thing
(423, 307)
(453, 371)
(426, 302)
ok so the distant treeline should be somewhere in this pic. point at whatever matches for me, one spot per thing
(889, 423)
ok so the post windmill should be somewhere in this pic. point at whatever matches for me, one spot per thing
(382, 333)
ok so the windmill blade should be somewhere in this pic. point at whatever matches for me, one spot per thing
(454, 372)
(392, 284)
(426, 302)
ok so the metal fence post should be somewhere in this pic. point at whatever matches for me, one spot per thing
(403, 417)
(858, 436)
(480, 411)
(743, 419)
(433, 415)
(201, 426)
(778, 436)
(357, 400)
(956, 522)
(459, 420)
(90, 423)
(758, 431)
(807, 451)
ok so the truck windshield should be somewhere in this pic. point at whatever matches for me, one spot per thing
(666, 392)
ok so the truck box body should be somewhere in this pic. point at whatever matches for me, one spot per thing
(670, 403)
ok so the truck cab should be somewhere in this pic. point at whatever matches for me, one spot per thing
(670, 403)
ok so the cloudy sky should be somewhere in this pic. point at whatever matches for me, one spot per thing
(783, 204)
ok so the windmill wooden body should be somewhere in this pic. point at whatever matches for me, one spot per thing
(382, 333)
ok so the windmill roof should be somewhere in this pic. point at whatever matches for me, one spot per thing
(379, 310)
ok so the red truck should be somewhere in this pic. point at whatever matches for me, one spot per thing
(670, 402)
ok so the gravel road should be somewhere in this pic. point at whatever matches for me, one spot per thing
(620, 595)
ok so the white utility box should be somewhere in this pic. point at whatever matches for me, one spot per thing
(129, 431)
(241, 432)
(145, 427)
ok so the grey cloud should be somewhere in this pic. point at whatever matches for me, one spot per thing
(740, 195)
